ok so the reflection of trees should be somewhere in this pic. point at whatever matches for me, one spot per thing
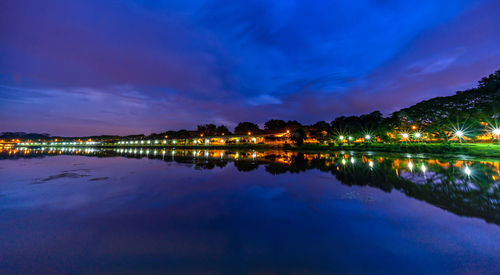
(443, 184)
(276, 168)
(245, 166)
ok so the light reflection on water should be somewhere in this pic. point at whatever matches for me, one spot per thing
(146, 209)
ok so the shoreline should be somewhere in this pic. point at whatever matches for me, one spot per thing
(442, 149)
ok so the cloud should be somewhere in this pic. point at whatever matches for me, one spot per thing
(132, 66)
(264, 99)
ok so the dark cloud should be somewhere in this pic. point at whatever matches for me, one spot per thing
(89, 67)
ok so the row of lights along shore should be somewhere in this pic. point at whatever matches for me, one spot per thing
(405, 136)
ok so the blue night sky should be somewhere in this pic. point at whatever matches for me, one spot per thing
(125, 67)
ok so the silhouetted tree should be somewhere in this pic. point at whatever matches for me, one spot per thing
(244, 127)
(298, 136)
(275, 124)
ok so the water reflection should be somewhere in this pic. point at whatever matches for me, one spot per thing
(464, 187)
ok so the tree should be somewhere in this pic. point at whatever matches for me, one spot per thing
(222, 130)
(207, 129)
(275, 124)
(321, 125)
(298, 136)
(244, 128)
(293, 124)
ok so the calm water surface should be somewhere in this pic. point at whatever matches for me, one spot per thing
(184, 211)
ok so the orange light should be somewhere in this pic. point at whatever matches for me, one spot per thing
(222, 133)
(414, 127)
(249, 133)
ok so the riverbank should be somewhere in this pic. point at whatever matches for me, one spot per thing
(471, 149)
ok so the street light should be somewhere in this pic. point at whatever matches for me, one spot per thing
(459, 133)
(341, 137)
(418, 135)
(404, 135)
(467, 171)
(496, 132)
(368, 137)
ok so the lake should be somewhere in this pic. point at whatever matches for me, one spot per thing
(140, 210)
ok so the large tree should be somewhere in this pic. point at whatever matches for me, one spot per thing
(275, 124)
(245, 127)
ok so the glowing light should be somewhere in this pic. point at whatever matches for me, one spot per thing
(343, 161)
(404, 135)
(352, 160)
(410, 165)
(418, 135)
(221, 141)
(459, 133)
(341, 137)
(496, 132)
(370, 164)
(368, 137)
(350, 138)
(249, 133)
(424, 168)
(467, 171)
(254, 140)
